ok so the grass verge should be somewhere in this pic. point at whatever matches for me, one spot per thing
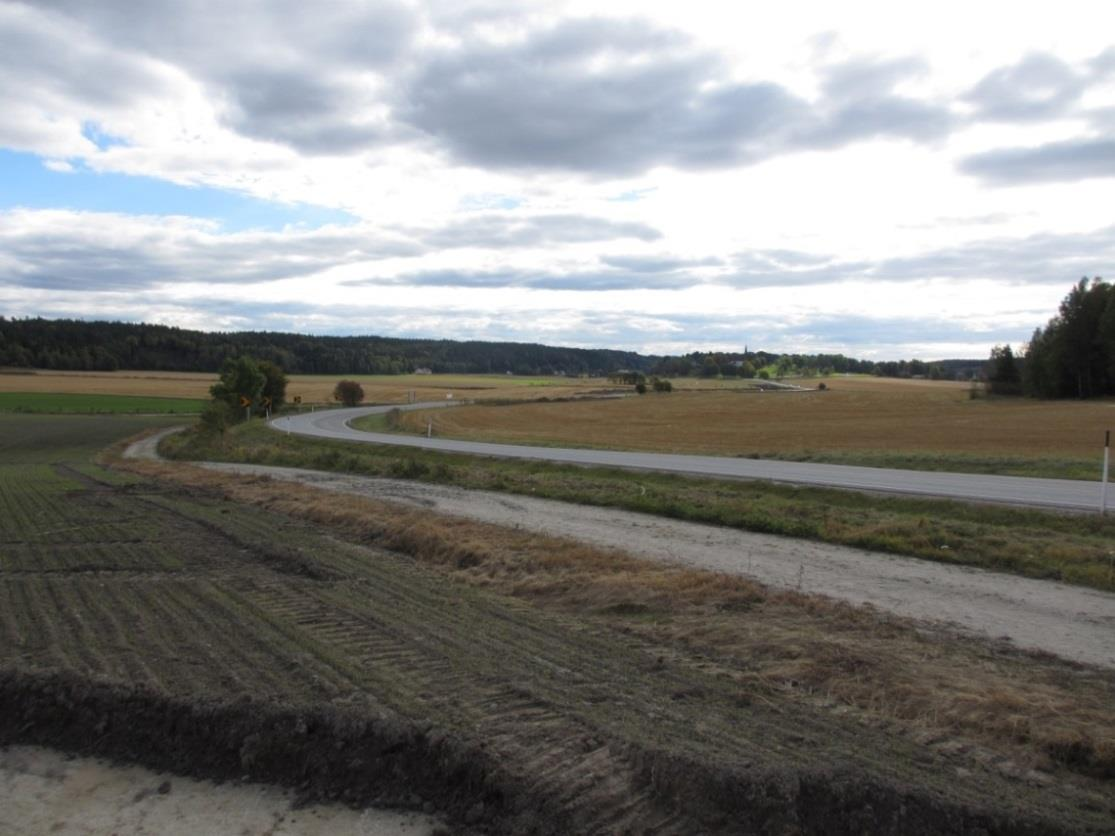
(1076, 549)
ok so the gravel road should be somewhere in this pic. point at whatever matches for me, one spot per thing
(1072, 622)
(1065, 494)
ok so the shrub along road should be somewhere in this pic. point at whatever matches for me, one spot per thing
(1010, 490)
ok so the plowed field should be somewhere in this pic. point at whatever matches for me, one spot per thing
(169, 624)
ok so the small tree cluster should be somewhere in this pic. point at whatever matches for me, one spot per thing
(262, 384)
(1074, 355)
(1003, 376)
(348, 392)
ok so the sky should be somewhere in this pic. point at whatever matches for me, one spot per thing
(885, 180)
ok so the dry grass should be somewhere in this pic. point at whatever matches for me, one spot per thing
(960, 697)
(853, 415)
(316, 389)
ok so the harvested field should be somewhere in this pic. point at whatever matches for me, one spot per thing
(868, 421)
(386, 655)
(316, 389)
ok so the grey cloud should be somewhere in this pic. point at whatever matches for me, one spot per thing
(588, 96)
(216, 38)
(585, 95)
(533, 279)
(656, 263)
(859, 102)
(496, 230)
(784, 268)
(859, 78)
(1076, 159)
(300, 110)
(1044, 258)
(1039, 86)
(33, 60)
(298, 78)
(543, 102)
(87, 252)
(53, 76)
(614, 281)
(1043, 87)
(1103, 64)
(890, 116)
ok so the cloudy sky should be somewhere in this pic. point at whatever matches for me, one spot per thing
(882, 179)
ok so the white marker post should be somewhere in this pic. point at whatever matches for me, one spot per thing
(1106, 462)
(429, 429)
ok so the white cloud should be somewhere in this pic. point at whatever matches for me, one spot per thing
(843, 148)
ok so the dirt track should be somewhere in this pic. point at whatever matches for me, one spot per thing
(1072, 622)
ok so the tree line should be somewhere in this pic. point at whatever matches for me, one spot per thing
(1073, 356)
(78, 345)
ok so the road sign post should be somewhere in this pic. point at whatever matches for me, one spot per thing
(1106, 463)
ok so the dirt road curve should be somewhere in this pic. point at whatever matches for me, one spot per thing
(1071, 622)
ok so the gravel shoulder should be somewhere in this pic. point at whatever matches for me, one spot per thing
(1071, 622)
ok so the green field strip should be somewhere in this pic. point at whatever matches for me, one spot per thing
(44, 439)
(64, 403)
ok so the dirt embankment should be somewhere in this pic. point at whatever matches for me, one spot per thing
(339, 754)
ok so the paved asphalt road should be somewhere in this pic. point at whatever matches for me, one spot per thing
(1010, 490)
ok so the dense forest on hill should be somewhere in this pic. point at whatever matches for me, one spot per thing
(107, 346)
(68, 344)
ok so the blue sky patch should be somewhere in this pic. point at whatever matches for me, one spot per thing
(26, 182)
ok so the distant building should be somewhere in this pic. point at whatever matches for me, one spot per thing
(423, 370)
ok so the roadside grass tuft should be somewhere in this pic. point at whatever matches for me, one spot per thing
(1078, 549)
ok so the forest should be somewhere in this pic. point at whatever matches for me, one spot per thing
(108, 346)
(1073, 356)
(79, 345)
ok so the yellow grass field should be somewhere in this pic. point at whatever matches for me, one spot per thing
(854, 415)
(317, 389)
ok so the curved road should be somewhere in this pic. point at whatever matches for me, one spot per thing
(1010, 490)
